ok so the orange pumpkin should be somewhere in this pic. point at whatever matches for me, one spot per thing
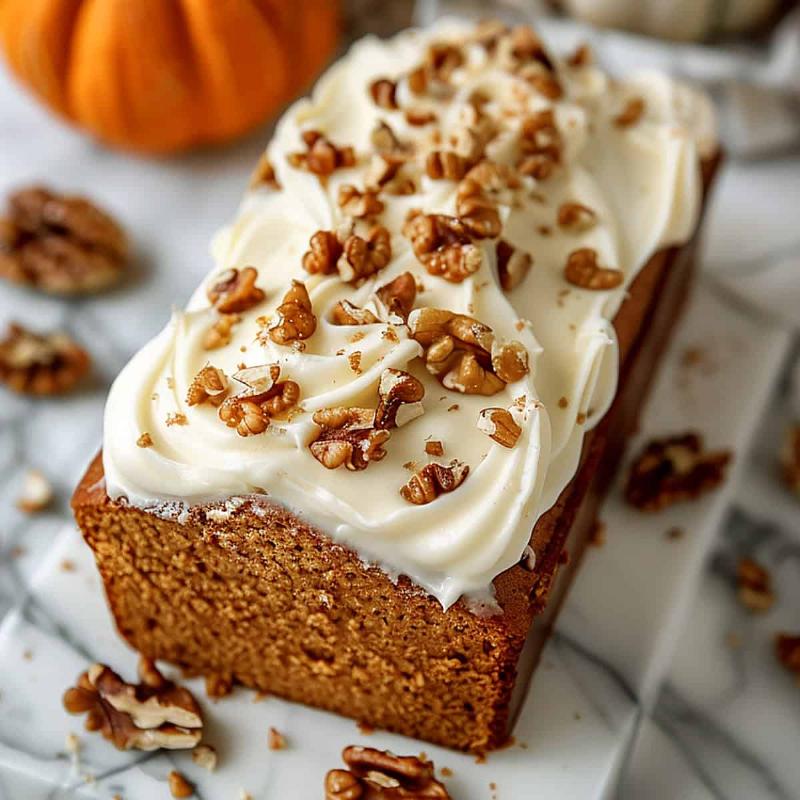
(159, 76)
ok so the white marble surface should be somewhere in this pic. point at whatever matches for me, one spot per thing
(639, 657)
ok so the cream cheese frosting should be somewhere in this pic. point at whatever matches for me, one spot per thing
(642, 183)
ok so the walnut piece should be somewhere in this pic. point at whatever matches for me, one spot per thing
(399, 399)
(790, 458)
(264, 397)
(179, 787)
(264, 175)
(674, 469)
(463, 354)
(441, 60)
(358, 204)
(520, 47)
(209, 384)
(513, 265)
(582, 269)
(384, 93)
(398, 296)
(36, 494)
(345, 313)
(433, 479)
(321, 156)
(381, 775)
(477, 210)
(324, 252)
(275, 739)
(234, 291)
(363, 257)
(205, 756)
(295, 316)
(540, 145)
(500, 425)
(754, 585)
(443, 245)
(221, 332)
(41, 364)
(152, 714)
(576, 217)
(348, 437)
(631, 113)
(60, 244)
(445, 165)
(787, 650)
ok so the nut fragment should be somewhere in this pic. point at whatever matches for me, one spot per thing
(582, 269)
(790, 458)
(363, 257)
(324, 252)
(60, 244)
(522, 46)
(263, 398)
(673, 469)
(209, 384)
(509, 361)
(442, 59)
(381, 775)
(36, 494)
(443, 245)
(433, 479)
(152, 714)
(205, 756)
(398, 296)
(295, 316)
(358, 204)
(221, 332)
(754, 585)
(631, 113)
(235, 290)
(386, 142)
(264, 175)
(787, 650)
(576, 217)
(179, 787)
(384, 93)
(476, 210)
(345, 313)
(445, 165)
(499, 424)
(399, 399)
(348, 437)
(43, 364)
(275, 739)
(540, 145)
(513, 265)
(321, 156)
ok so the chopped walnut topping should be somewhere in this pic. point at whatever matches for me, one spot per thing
(380, 775)
(790, 458)
(445, 165)
(787, 649)
(205, 756)
(60, 244)
(443, 245)
(209, 384)
(581, 57)
(152, 714)
(582, 269)
(754, 585)
(384, 93)
(540, 145)
(275, 739)
(500, 425)
(398, 296)
(542, 82)
(441, 60)
(399, 399)
(221, 332)
(433, 479)
(358, 204)
(674, 469)
(235, 290)
(434, 448)
(385, 141)
(176, 418)
(354, 359)
(264, 175)
(263, 398)
(631, 113)
(363, 257)
(296, 320)
(345, 313)
(348, 437)
(418, 80)
(576, 217)
(419, 117)
(321, 156)
(522, 46)
(36, 494)
(488, 32)
(513, 265)
(44, 364)
(476, 210)
(179, 787)
(145, 440)
(325, 249)
(509, 361)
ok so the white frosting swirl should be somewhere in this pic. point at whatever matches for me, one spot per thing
(643, 183)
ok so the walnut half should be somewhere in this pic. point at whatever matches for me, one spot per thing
(296, 320)
(443, 245)
(152, 714)
(432, 480)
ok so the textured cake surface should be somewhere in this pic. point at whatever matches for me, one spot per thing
(548, 186)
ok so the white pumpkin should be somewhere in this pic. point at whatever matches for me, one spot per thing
(686, 20)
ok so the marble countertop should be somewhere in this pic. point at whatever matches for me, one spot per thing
(657, 683)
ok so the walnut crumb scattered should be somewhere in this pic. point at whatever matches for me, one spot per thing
(433, 447)
(176, 418)
(754, 585)
(145, 440)
(631, 113)
(276, 740)
(205, 756)
(179, 787)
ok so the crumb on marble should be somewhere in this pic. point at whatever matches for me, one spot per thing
(275, 739)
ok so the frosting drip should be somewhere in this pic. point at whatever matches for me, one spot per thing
(642, 185)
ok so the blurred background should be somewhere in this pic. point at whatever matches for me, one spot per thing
(79, 114)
